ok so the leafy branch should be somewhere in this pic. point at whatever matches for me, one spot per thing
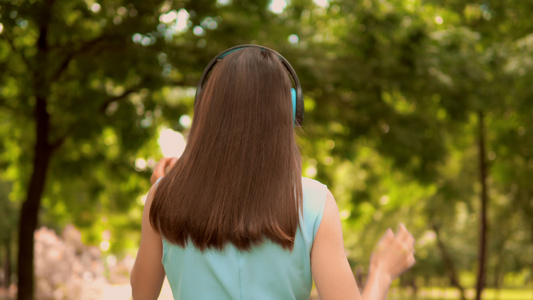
(120, 97)
(16, 50)
(83, 49)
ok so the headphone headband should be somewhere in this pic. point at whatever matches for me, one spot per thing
(299, 113)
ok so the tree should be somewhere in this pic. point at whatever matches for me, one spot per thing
(66, 69)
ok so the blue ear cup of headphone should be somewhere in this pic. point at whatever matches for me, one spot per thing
(293, 98)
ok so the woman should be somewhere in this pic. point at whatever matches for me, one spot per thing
(233, 219)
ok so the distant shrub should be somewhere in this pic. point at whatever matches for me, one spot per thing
(65, 268)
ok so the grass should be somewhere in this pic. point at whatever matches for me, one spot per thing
(428, 293)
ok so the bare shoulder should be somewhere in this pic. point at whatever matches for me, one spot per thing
(150, 197)
(331, 220)
(331, 207)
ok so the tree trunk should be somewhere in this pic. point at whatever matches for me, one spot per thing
(482, 253)
(30, 208)
(448, 263)
(529, 212)
(531, 232)
(42, 153)
(7, 264)
(498, 273)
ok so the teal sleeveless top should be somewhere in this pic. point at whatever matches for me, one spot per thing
(266, 272)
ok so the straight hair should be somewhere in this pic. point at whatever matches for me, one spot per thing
(239, 178)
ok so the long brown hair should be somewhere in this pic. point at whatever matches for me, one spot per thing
(239, 178)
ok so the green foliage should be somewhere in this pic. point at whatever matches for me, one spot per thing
(392, 89)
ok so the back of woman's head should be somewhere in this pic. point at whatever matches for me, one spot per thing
(238, 180)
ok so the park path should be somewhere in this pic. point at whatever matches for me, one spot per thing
(123, 292)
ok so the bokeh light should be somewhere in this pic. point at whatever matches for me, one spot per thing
(172, 143)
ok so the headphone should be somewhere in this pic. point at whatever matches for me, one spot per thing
(296, 92)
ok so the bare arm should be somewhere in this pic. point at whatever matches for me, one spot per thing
(331, 271)
(148, 273)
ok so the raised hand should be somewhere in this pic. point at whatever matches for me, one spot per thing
(394, 253)
(162, 167)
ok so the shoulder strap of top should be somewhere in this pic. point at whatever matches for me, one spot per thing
(157, 181)
(314, 194)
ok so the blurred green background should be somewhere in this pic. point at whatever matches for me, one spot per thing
(416, 111)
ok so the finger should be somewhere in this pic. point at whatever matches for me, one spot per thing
(387, 238)
(159, 170)
(409, 248)
(169, 163)
(383, 241)
(411, 242)
(173, 161)
(411, 261)
(402, 233)
(406, 251)
(160, 165)
(405, 237)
